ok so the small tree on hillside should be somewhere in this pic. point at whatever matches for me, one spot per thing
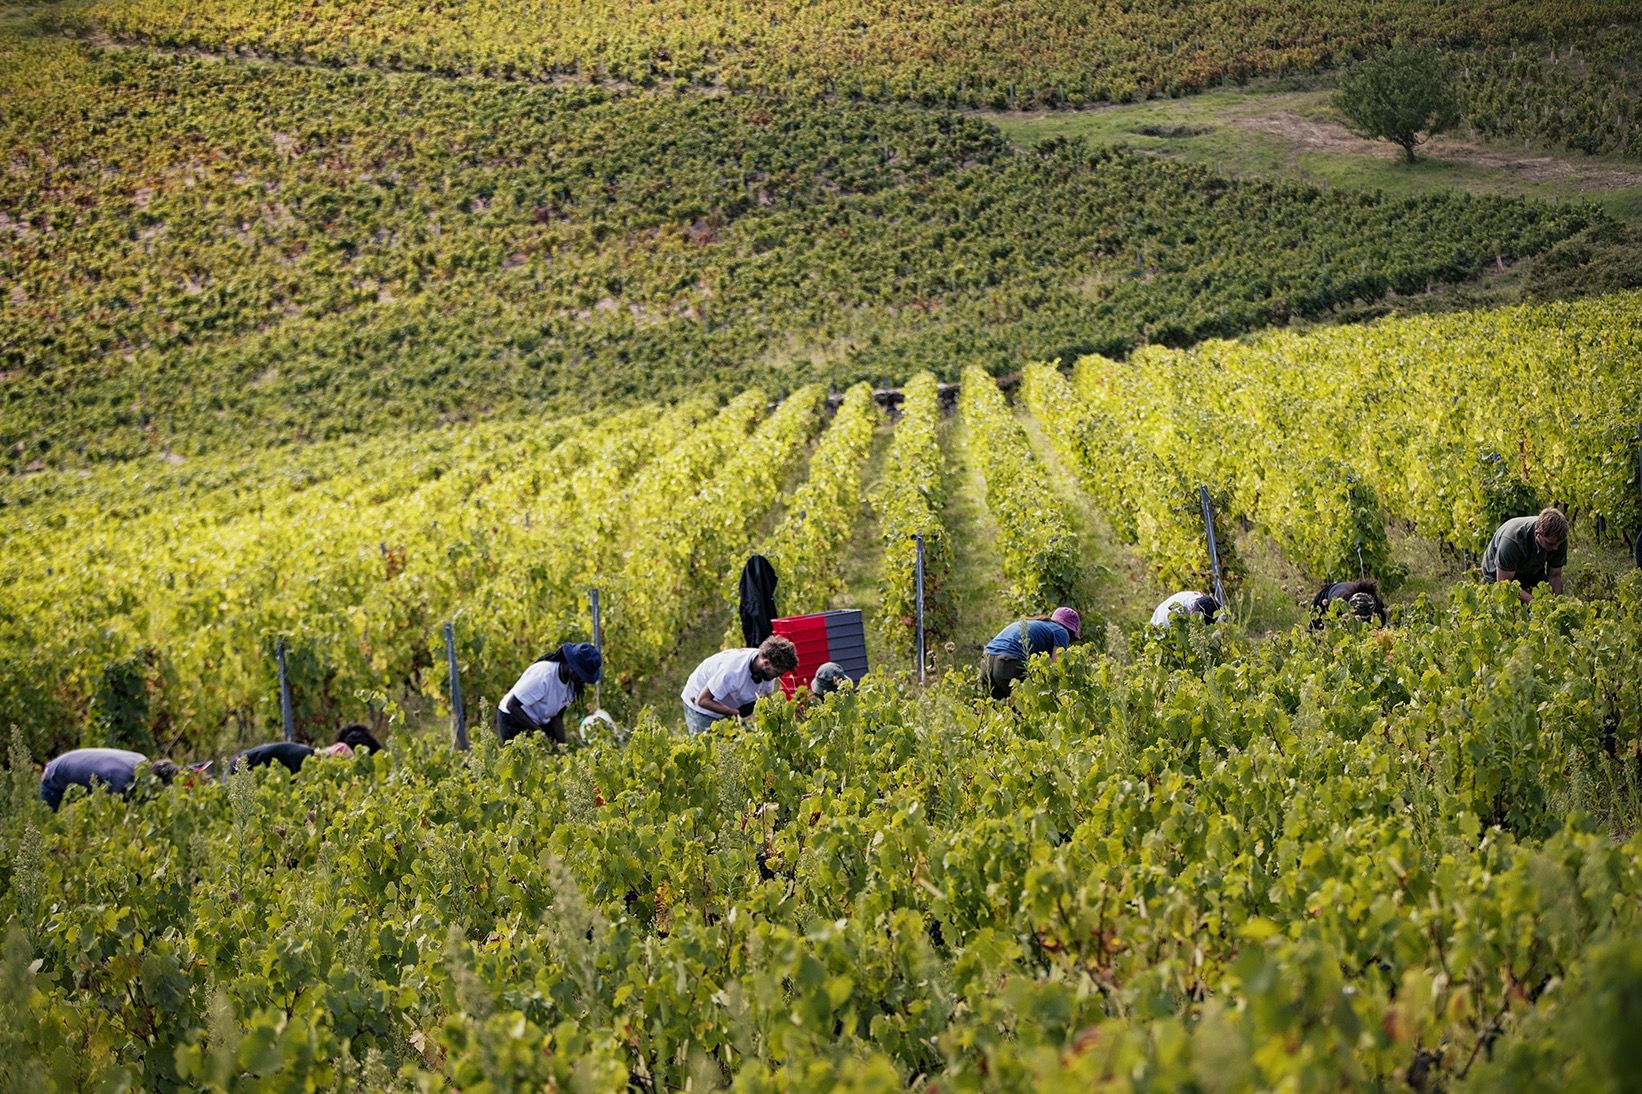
(1399, 95)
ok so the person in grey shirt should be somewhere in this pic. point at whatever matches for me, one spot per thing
(112, 768)
(1529, 551)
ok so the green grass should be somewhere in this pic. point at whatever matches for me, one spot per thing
(1254, 131)
(976, 583)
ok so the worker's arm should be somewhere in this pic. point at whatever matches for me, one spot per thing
(706, 702)
(517, 710)
(1503, 575)
(555, 727)
(1554, 579)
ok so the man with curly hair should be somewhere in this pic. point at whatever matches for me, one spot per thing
(727, 684)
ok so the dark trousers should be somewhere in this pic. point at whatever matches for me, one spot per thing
(509, 727)
(999, 673)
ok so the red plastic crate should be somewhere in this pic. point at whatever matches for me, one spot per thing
(814, 636)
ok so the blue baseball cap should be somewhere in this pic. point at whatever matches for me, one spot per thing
(584, 660)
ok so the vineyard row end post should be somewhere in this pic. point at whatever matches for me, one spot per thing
(287, 716)
(598, 638)
(458, 713)
(919, 571)
(1214, 551)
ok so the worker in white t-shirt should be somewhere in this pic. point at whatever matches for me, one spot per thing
(1185, 603)
(536, 704)
(727, 684)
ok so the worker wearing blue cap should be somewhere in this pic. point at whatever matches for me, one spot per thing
(536, 704)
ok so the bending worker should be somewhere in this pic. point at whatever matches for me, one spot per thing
(727, 684)
(291, 756)
(1529, 551)
(1362, 599)
(1186, 603)
(545, 690)
(114, 769)
(1004, 660)
(828, 679)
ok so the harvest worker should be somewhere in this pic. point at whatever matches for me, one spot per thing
(1004, 659)
(545, 690)
(1187, 603)
(828, 679)
(1528, 550)
(1362, 599)
(290, 755)
(728, 683)
(114, 769)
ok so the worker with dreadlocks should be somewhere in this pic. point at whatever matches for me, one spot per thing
(536, 704)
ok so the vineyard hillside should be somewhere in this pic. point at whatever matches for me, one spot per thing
(144, 601)
(1021, 54)
(207, 257)
(354, 357)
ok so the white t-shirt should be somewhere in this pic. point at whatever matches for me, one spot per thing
(1179, 602)
(540, 692)
(729, 676)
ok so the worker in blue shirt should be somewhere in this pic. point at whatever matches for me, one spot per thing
(1004, 660)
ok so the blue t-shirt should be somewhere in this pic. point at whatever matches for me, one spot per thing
(1041, 635)
(110, 767)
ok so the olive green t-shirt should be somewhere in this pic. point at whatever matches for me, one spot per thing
(1514, 548)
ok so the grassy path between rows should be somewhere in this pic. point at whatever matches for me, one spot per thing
(1115, 584)
(865, 551)
(976, 582)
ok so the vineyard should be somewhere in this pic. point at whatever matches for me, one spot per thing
(1326, 441)
(1030, 54)
(1321, 860)
(1583, 91)
(275, 255)
(329, 329)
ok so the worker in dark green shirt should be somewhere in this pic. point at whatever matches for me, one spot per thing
(1530, 551)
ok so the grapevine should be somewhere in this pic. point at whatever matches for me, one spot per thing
(910, 501)
(1036, 543)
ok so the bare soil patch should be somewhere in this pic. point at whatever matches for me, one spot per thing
(1317, 134)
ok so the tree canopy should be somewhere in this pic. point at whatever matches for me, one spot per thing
(1405, 96)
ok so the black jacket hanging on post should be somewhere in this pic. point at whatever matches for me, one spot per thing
(757, 600)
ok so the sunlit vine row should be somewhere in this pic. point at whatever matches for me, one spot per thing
(667, 580)
(911, 500)
(1037, 547)
(808, 545)
(1456, 422)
